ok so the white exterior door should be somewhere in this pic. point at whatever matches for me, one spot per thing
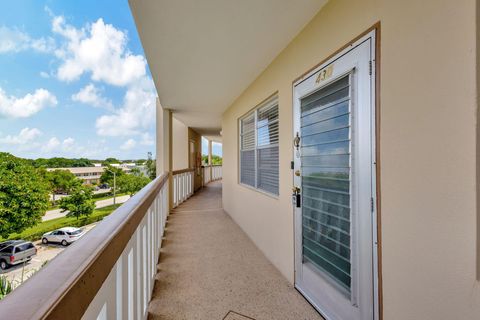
(334, 168)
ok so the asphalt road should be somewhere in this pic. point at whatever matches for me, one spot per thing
(59, 196)
(57, 213)
(45, 252)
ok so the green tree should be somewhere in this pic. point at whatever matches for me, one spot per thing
(23, 195)
(109, 161)
(151, 166)
(216, 159)
(107, 175)
(79, 202)
(131, 184)
(136, 172)
(62, 181)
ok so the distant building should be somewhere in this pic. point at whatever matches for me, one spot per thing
(128, 166)
(89, 175)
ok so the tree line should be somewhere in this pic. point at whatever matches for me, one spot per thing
(60, 162)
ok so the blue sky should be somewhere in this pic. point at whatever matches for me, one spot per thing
(216, 147)
(74, 81)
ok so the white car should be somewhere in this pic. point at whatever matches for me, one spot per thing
(64, 236)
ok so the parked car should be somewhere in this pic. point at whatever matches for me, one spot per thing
(104, 186)
(16, 251)
(65, 236)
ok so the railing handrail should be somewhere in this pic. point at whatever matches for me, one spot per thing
(211, 165)
(68, 284)
(174, 172)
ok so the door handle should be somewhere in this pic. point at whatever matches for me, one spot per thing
(297, 199)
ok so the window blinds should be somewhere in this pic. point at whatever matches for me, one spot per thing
(259, 148)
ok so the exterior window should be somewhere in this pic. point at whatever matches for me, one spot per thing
(259, 147)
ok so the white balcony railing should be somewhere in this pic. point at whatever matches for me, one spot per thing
(183, 185)
(211, 173)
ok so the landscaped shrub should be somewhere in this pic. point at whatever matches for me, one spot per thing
(102, 195)
(6, 287)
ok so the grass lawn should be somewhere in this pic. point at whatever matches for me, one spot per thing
(53, 207)
(36, 232)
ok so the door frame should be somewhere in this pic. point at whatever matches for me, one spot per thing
(374, 32)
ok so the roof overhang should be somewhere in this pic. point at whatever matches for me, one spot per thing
(204, 54)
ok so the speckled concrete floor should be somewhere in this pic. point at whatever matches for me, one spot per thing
(208, 267)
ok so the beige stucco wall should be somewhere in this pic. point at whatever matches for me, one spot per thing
(428, 108)
(180, 145)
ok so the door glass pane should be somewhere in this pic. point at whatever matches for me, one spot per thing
(326, 180)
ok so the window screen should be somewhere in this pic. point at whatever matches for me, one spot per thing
(259, 148)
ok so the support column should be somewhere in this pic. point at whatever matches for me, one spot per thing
(170, 158)
(164, 146)
(210, 158)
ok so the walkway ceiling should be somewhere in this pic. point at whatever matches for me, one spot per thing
(204, 54)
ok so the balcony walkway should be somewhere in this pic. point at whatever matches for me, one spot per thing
(209, 267)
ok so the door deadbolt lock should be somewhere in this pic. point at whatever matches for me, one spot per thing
(297, 173)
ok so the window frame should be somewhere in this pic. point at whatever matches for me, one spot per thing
(270, 102)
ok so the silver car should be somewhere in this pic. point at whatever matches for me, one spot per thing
(16, 251)
(65, 236)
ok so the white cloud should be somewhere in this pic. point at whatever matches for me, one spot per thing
(128, 145)
(91, 95)
(14, 40)
(136, 114)
(68, 146)
(44, 74)
(98, 49)
(27, 105)
(25, 135)
(68, 143)
(147, 139)
(52, 144)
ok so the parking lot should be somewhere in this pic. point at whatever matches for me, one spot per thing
(45, 253)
